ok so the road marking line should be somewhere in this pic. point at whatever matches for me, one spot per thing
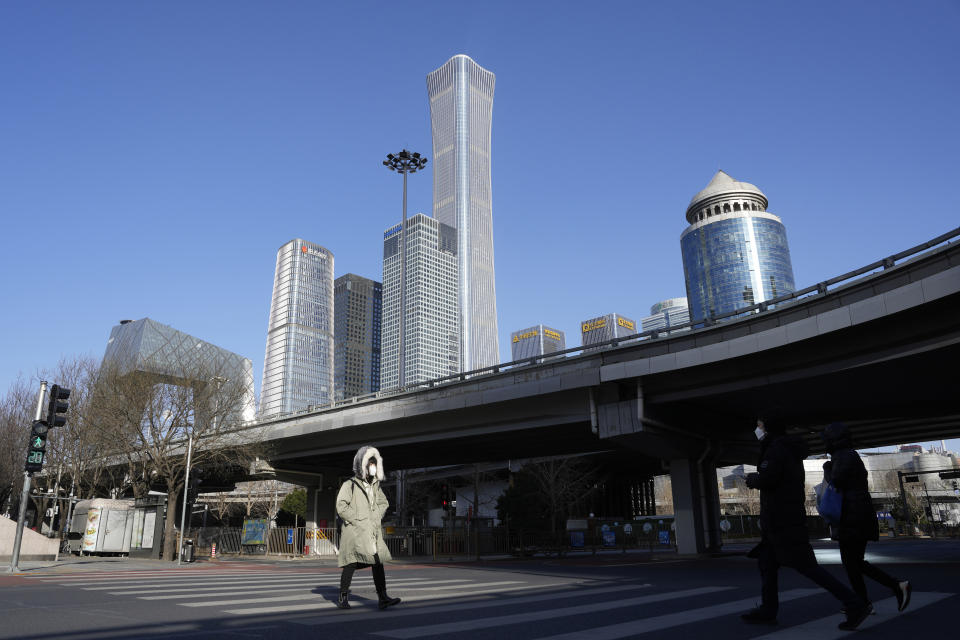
(656, 623)
(289, 598)
(246, 592)
(193, 586)
(826, 628)
(182, 578)
(543, 614)
(335, 616)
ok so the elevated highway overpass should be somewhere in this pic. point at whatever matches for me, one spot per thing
(877, 348)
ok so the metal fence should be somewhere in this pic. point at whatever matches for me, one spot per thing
(292, 541)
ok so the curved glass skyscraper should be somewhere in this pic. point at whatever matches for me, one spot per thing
(461, 109)
(298, 365)
(735, 252)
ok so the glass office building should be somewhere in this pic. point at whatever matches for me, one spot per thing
(537, 340)
(147, 347)
(432, 339)
(735, 252)
(357, 304)
(298, 365)
(604, 328)
(666, 314)
(461, 109)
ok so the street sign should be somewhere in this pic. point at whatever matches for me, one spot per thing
(289, 536)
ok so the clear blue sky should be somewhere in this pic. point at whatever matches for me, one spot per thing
(155, 155)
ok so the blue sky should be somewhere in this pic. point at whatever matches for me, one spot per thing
(156, 155)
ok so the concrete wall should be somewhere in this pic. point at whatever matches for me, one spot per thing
(33, 546)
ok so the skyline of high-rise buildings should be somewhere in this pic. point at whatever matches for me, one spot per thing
(432, 337)
(461, 111)
(357, 312)
(666, 314)
(607, 327)
(298, 362)
(735, 252)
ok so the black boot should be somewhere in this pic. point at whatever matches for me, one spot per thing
(385, 600)
(342, 600)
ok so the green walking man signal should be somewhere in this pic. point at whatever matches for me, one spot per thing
(56, 407)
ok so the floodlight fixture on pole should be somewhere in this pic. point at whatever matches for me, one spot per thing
(404, 162)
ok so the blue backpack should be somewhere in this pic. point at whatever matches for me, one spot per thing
(830, 504)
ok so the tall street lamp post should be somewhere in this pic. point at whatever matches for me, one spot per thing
(404, 162)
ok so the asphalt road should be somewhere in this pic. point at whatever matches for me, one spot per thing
(608, 596)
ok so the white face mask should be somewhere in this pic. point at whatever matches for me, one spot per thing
(760, 433)
(372, 470)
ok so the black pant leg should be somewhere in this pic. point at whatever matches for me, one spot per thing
(346, 576)
(818, 575)
(851, 554)
(769, 586)
(379, 578)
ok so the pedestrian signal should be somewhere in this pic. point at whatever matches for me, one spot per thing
(37, 446)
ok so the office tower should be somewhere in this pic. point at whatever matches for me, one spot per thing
(735, 252)
(461, 106)
(160, 354)
(298, 365)
(536, 341)
(608, 327)
(357, 304)
(666, 314)
(432, 341)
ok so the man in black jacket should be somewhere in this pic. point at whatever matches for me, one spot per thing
(858, 520)
(783, 517)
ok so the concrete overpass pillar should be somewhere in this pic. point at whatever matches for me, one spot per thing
(321, 507)
(696, 505)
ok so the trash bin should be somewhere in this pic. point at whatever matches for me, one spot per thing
(188, 550)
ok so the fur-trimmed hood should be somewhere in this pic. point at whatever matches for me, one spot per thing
(364, 453)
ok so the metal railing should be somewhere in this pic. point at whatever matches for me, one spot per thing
(288, 541)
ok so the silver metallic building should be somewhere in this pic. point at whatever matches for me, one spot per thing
(537, 340)
(461, 108)
(432, 341)
(735, 252)
(147, 347)
(298, 365)
(608, 327)
(666, 314)
(357, 303)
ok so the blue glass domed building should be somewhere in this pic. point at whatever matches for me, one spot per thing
(735, 252)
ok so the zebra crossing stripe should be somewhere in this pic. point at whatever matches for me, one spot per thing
(544, 614)
(826, 628)
(336, 616)
(182, 579)
(246, 592)
(294, 598)
(262, 584)
(657, 623)
(328, 606)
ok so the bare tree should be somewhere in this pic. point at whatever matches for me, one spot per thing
(16, 415)
(149, 419)
(563, 482)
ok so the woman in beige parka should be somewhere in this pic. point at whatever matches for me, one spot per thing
(361, 504)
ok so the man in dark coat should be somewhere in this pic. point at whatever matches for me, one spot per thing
(858, 520)
(783, 517)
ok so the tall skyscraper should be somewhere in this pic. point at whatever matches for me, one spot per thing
(357, 304)
(735, 252)
(536, 341)
(461, 108)
(608, 327)
(666, 314)
(432, 341)
(298, 365)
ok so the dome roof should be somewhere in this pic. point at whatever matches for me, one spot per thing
(722, 183)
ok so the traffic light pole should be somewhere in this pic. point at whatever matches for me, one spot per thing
(25, 494)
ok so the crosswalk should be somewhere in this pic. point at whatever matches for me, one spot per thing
(442, 604)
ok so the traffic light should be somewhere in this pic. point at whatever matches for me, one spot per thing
(445, 497)
(56, 406)
(37, 446)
